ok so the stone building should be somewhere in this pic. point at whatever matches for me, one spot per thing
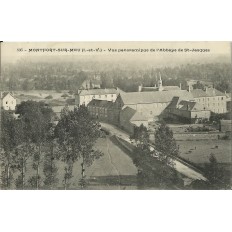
(86, 96)
(212, 99)
(186, 111)
(100, 109)
(153, 103)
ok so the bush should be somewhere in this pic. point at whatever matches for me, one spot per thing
(64, 95)
(49, 97)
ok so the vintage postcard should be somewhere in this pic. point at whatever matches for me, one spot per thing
(115, 115)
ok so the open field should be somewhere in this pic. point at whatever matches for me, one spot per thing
(51, 97)
(220, 148)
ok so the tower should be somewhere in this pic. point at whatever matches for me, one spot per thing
(160, 83)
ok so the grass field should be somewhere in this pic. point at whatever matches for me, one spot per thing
(220, 148)
(55, 98)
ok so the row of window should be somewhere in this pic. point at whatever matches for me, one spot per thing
(204, 99)
(214, 104)
(99, 96)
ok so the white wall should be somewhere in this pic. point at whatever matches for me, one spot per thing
(8, 102)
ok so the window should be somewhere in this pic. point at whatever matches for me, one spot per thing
(99, 96)
(112, 95)
(222, 98)
(106, 96)
(6, 102)
(93, 96)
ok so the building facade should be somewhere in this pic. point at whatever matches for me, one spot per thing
(83, 97)
(153, 103)
(100, 109)
(211, 99)
(8, 101)
(186, 111)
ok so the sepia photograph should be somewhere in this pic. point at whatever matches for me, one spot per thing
(115, 116)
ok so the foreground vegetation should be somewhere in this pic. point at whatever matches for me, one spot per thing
(156, 167)
(34, 137)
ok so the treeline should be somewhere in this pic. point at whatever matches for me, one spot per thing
(35, 150)
(63, 76)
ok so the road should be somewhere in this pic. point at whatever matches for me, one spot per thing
(180, 167)
(114, 170)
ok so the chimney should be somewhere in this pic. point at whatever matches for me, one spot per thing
(206, 89)
(189, 88)
(180, 86)
(140, 88)
(1, 95)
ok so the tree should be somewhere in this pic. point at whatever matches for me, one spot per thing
(166, 148)
(165, 144)
(141, 136)
(198, 85)
(7, 150)
(49, 168)
(36, 119)
(213, 172)
(77, 133)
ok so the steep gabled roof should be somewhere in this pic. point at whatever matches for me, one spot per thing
(191, 106)
(153, 97)
(85, 92)
(127, 113)
(141, 116)
(3, 94)
(198, 93)
(168, 88)
(210, 92)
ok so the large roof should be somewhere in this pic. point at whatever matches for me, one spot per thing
(141, 116)
(191, 106)
(165, 88)
(214, 92)
(154, 97)
(168, 88)
(210, 92)
(133, 115)
(198, 93)
(3, 94)
(85, 92)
